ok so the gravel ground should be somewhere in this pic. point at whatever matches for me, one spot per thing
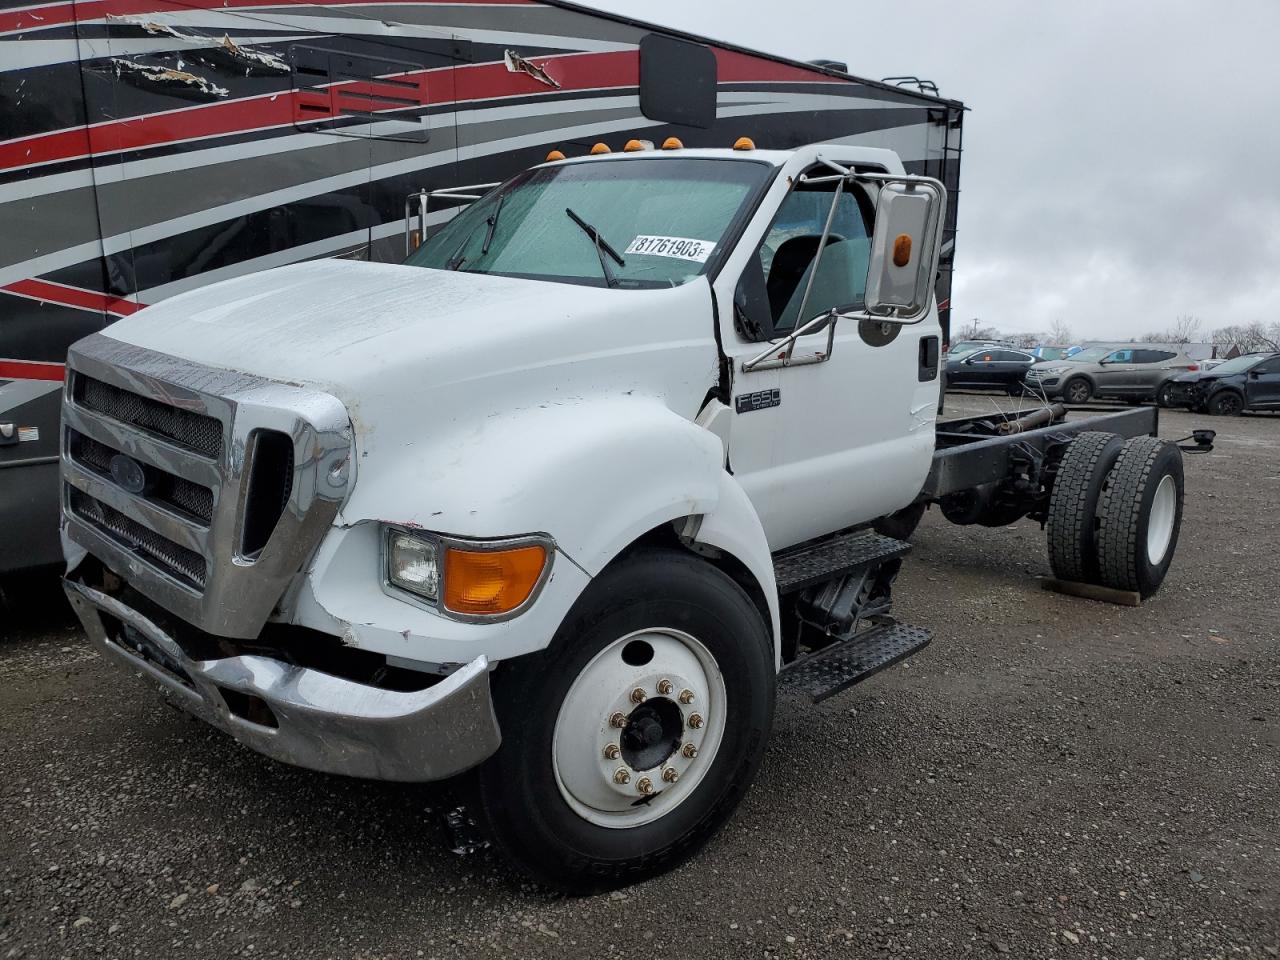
(1052, 777)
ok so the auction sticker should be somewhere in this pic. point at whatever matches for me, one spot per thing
(679, 248)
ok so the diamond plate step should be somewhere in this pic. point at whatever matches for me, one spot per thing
(841, 665)
(806, 566)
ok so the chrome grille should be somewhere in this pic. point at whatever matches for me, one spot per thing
(191, 498)
(193, 430)
(181, 562)
(230, 483)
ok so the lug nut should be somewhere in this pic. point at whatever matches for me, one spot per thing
(644, 785)
(618, 720)
(621, 775)
(638, 695)
(686, 696)
(611, 752)
(664, 687)
(689, 751)
(670, 774)
(695, 721)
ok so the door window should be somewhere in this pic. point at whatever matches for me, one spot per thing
(773, 284)
(1153, 356)
(1119, 356)
(1268, 367)
(1010, 356)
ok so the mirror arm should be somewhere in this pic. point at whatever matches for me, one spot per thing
(780, 354)
(817, 260)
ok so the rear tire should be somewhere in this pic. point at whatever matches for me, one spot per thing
(1077, 390)
(1073, 506)
(548, 798)
(1225, 403)
(1164, 396)
(1140, 516)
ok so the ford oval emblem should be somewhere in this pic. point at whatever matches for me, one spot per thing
(128, 473)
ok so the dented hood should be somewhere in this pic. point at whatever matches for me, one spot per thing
(405, 346)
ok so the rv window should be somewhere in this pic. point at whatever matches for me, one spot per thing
(677, 81)
(355, 95)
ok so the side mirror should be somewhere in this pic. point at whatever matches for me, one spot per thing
(904, 247)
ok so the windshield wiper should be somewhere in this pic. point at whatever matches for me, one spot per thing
(456, 261)
(602, 247)
(493, 222)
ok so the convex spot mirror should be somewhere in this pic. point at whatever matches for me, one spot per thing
(904, 247)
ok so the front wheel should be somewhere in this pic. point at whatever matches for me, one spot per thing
(630, 741)
(1226, 403)
(1077, 390)
(1164, 396)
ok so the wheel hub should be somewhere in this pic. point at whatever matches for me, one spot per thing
(654, 731)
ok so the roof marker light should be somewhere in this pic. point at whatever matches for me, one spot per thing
(744, 143)
(672, 143)
(554, 155)
(600, 148)
(635, 145)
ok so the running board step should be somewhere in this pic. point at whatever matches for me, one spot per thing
(805, 566)
(841, 665)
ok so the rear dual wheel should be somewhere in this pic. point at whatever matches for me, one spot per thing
(1140, 516)
(631, 740)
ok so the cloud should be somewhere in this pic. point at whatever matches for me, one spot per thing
(1118, 156)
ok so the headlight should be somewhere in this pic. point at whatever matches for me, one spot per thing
(468, 579)
(413, 564)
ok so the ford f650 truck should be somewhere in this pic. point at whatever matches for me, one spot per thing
(560, 503)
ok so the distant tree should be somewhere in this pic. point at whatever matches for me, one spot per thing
(1060, 333)
(1249, 337)
(1186, 327)
(1024, 340)
(974, 330)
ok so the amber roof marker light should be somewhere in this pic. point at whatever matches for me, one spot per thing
(600, 148)
(744, 143)
(672, 143)
(554, 155)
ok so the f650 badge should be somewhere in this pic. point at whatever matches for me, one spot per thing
(760, 400)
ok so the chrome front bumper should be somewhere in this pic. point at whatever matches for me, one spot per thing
(322, 722)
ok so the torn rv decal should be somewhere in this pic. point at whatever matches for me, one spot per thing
(180, 81)
(518, 64)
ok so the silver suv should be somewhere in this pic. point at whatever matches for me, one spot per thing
(1135, 373)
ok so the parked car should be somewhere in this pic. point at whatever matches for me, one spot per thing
(993, 368)
(1134, 373)
(1249, 382)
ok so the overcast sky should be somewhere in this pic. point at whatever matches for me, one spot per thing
(1121, 157)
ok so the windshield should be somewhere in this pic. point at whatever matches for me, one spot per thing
(1091, 354)
(1237, 364)
(1052, 353)
(626, 223)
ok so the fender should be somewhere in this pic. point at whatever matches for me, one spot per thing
(734, 527)
(593, 473)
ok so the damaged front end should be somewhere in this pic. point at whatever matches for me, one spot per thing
(193, 497)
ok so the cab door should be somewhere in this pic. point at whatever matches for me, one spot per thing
(854, 433)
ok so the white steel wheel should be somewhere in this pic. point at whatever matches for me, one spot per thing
(639, 728)
(1164, 509)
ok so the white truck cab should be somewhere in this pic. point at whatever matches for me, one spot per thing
(550, 504)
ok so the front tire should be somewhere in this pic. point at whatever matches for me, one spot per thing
(1225, 403)
(1077, 390)
(581, 803)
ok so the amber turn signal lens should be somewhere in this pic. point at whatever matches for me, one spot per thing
(487, 582)
(902, 250)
